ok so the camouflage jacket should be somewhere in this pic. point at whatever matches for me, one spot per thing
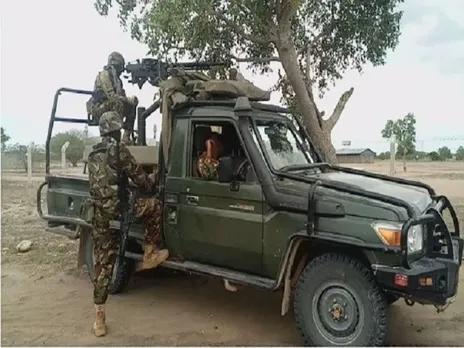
(103, 170)
(109, 84)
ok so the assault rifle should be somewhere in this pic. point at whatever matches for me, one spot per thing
(127, 217)
(154, 70)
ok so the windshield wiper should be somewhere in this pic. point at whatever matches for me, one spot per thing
(294, 167)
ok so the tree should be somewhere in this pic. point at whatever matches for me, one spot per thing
(315, 41)
(460, 153)
(75, 150)
(384, 155)
(434, 156)
(5, 137)
(444, 153)
(404, 130)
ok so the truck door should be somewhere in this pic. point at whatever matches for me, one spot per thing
(219, 226)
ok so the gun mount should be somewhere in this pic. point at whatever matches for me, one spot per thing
(154, 70)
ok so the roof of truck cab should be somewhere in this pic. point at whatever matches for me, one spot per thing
(204, 108)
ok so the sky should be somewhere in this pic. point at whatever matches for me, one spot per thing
(50, 44)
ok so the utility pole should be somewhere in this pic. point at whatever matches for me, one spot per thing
(29, 163)
(63, 154)
(392, 154)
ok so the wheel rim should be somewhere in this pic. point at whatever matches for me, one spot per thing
(338, 313)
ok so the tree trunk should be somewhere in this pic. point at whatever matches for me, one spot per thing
(319, 135)
(404, 161)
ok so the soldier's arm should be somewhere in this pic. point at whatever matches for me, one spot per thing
(130, 166)
(106, 85)
(134, 170)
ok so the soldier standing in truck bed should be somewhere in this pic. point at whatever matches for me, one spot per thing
(107, 175)
(109, 95)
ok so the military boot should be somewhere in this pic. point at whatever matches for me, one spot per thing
(152, 257)
(99, 326)
(126, 138)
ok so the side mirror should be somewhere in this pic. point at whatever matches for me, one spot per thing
(225, 170)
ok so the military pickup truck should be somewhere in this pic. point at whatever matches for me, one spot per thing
(341, 243)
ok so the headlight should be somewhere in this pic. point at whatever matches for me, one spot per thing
(390, 234)
(415, 238)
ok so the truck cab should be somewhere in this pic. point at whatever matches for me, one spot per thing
(344, 243)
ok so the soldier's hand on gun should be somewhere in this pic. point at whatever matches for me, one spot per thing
(152, 178)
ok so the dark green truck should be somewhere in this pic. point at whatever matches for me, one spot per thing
(342, 243)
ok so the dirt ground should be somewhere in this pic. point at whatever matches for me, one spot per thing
(46, 300)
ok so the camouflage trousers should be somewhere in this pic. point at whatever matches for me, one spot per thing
(107, 240)
(207, 167)
(125, 110)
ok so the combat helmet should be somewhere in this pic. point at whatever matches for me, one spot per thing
(109, 122)
(116, 59)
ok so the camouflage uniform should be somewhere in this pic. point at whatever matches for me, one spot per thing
(104, 181)
(207, 167)
(110, 95)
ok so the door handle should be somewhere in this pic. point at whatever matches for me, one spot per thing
(193, 200)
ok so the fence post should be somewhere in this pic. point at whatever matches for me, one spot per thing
(392, 155)
(29, 163)
(63, 154)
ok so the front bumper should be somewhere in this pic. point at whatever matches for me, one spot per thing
(433, 278)
(427, 281)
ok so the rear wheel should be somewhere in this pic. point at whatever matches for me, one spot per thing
(121, 272)
(337, 302)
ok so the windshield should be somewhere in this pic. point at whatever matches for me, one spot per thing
(282, 144)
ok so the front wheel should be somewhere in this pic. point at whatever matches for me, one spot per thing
(121, 273)
(337, 302)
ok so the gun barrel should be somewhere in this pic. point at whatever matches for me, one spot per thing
(197, 65)
(152, 70)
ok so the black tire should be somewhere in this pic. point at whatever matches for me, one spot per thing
(330, 287)
(121, 273)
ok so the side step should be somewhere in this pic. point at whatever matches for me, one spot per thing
(63, 231)
(218, 272)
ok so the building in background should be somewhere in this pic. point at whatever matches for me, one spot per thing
(348, 155)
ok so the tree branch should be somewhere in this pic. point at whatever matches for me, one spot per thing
(240, 31)
(288, 10)
(278, 10)
(333, 119)
(255, 60)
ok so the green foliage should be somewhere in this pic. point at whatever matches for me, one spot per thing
(384, 155)
(342, 34)
(75, 150)
(316, 41)
(460, 153)
(421, 155)
(445, 153)
(434, 156)
(5, 137)
(405, 132)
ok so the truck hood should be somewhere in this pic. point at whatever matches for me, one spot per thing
(418, 197)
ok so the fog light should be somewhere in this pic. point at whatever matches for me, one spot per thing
(401, 280)
(426, 281)
(441, 282)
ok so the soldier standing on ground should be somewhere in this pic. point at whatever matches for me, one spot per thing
(109, 95)
(107, 175)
